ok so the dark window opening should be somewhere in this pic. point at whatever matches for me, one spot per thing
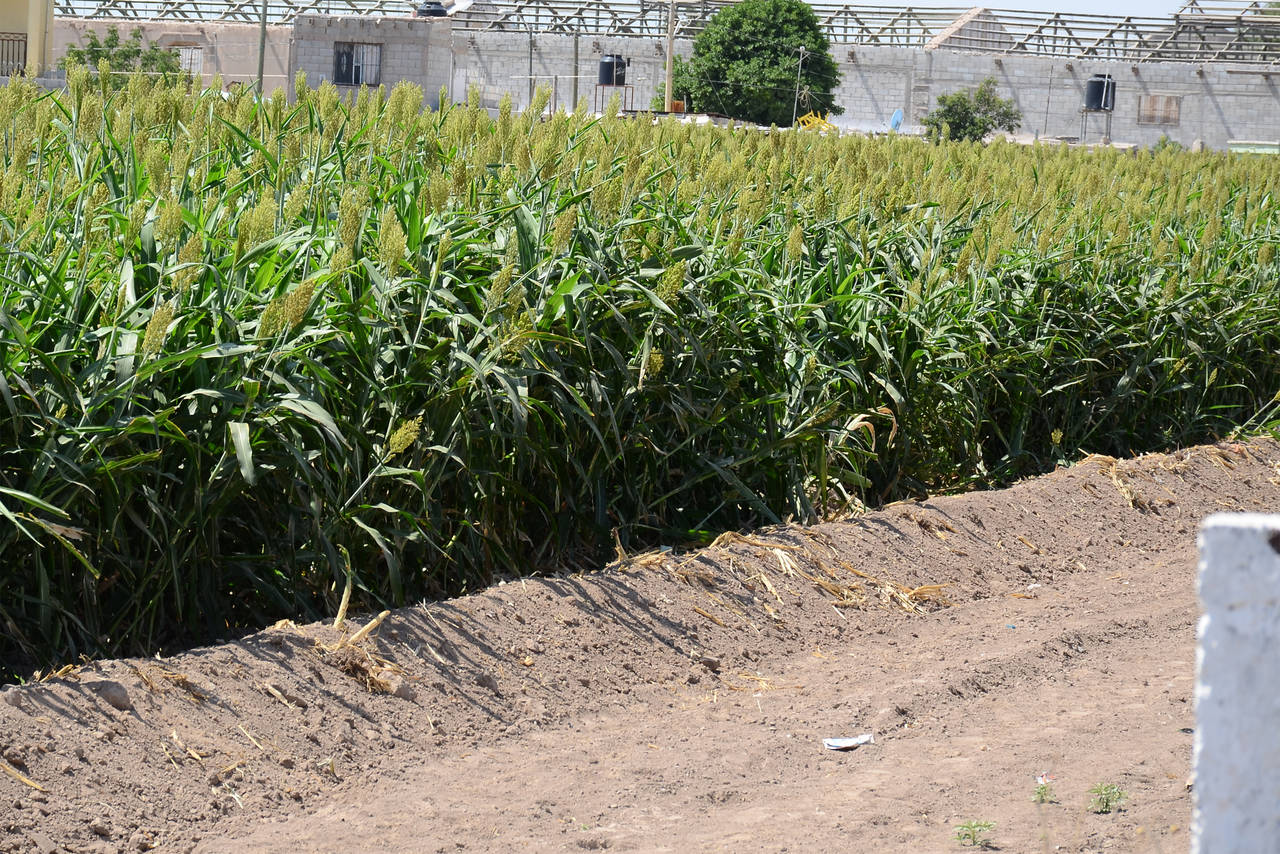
(357, 64)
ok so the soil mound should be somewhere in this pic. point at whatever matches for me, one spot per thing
(677, 702)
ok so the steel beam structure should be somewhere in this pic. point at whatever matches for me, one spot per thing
(233, 11)
(1201, 31)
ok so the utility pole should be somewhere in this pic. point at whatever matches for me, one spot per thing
(671, 43)
(262, 46)
(795, 107)
(531, 83)
(1047, 98)
(577, 69)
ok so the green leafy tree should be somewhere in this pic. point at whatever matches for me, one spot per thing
(121, 55)
(744, 63)
(972, 114)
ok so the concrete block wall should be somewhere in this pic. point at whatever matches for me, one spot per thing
(415, 49)
(501, 63)
(1218, 102)
(876, 81)
(229, 49)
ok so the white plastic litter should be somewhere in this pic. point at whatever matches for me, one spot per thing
(848, 743)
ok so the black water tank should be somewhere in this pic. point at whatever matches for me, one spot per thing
(431, 9)
(613, 70)
(1100, 93)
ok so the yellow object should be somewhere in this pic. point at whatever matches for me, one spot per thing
(813, 121)
(34, 20)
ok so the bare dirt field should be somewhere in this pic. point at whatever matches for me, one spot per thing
(678, 702)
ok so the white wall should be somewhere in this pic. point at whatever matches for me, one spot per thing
(1237, 742)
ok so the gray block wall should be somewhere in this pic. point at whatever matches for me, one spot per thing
(415, 49)
(1217, 102)
(229, 49)
(500, 63)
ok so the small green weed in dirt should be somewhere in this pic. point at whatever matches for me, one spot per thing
(1044, 794)
(1107, 797)
(975, 833)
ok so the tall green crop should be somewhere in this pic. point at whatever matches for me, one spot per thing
(239, 334)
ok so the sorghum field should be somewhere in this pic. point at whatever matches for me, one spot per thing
(251, 349)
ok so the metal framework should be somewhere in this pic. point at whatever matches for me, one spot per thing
(228, 11)
(1201, 31)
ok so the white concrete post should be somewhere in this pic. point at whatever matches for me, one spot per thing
(1237, 741)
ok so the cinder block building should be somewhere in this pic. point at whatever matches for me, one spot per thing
(352, 51)
(1208, 74)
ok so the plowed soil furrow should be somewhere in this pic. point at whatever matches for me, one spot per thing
(678, 703)
(967, 712)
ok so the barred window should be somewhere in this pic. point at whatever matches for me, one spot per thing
(1159, 109)
(357, 64)
(13, 53)
(191, 59)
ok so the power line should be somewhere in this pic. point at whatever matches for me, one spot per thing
(760, 86)
(795, 107)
